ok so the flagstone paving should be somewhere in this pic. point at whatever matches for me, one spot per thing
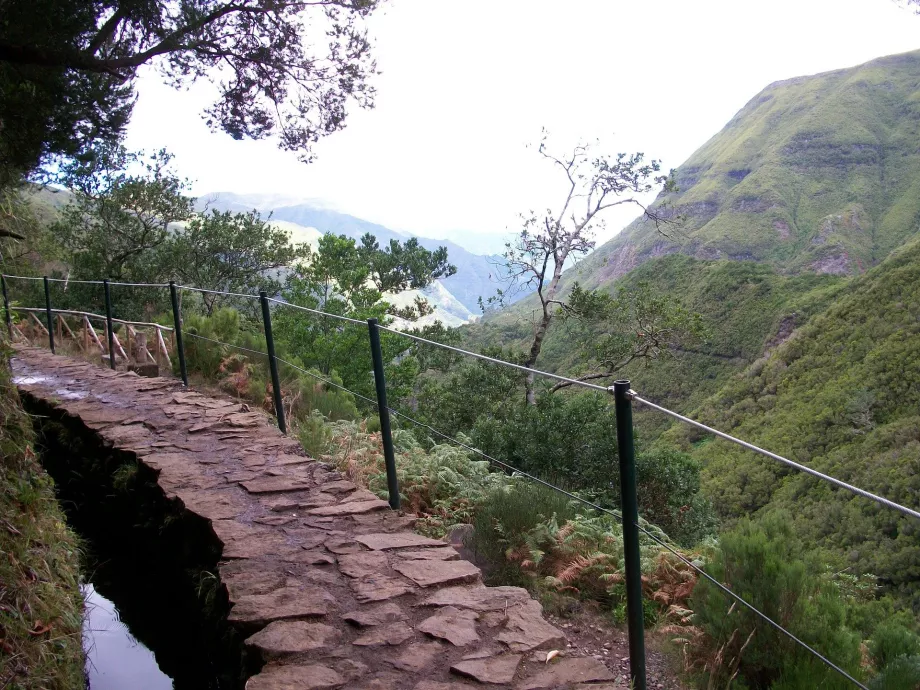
(332, 587)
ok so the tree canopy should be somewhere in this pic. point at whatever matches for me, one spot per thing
(284, 69)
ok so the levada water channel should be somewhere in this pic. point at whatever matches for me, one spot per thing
(155, 613)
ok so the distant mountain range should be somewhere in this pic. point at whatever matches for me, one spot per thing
(455, 299)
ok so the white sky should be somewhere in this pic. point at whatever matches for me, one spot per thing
(466, 84)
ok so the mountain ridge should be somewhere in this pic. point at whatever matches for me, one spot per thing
(477, 275)
(815, 173)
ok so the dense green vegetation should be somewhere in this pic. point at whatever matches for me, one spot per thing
(743, 306)
(841, 395)
(40, 602)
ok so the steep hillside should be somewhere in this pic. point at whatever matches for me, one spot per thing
(746, 308)
(818, 173)
(842, 394)
(477, 275)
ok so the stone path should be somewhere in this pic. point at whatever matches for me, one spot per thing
(333, 587)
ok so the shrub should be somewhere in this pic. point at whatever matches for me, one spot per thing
(314, 434)
(762, 562)
(903, 673)
(505, 518)
(890, 641)
(203, 356)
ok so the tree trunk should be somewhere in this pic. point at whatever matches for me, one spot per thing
(546, 298)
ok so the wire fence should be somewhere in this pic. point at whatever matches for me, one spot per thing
(624, 397)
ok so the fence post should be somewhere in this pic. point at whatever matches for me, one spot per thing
(386, 433)
(177, 331)
(48, 314)
(629, 504)
(6, 307)
(108, 321)
(272, 362)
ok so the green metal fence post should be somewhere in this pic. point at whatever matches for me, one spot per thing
(6, 307)
(272, 361)
(177, 324)
(386, 433)
(108, 321)
(50, 318)
(629, 504)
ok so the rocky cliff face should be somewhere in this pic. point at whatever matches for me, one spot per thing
(818, 173)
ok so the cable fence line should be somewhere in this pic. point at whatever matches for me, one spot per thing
(318, 312)
(493, 360)
(206, 290)
(623, 395)
(91, 315)
(221, 342)
(154, 285)
(786, 461)
(328, 382)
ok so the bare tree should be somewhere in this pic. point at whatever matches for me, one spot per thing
(595, 183)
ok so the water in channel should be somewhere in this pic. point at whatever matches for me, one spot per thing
(115, 660)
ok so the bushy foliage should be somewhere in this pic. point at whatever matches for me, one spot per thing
(764, 564)
(571, 440)
(841, 396)
(892, 639)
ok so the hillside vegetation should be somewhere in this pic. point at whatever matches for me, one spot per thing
(818, 173)
(842, 395)
(745, 307)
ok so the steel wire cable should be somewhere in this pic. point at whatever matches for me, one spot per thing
(486, 358)
(326, 381)
(219, 342)
(503, 465)
(320, 313)
(215, 292)
(7, 275)
(786, 461)
(112, 282)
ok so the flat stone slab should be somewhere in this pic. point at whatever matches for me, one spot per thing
(385, 613)
(418, 656)
(286, 602)
(457, 626)
(294, 637)
(363, 564)
(311, 677)
(567, 671)
(379, 588)
(352, 508)
(445, 553)
(265, 485)
(398, 540)
(478, 598)
(337, 487)
(526, 629)
(391, 634)
(496, 670)
(430, 573)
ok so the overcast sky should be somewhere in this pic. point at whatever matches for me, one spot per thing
(466, 85)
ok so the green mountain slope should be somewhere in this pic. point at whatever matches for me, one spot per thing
(842, 395)
(818, 173)
(746, 307)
